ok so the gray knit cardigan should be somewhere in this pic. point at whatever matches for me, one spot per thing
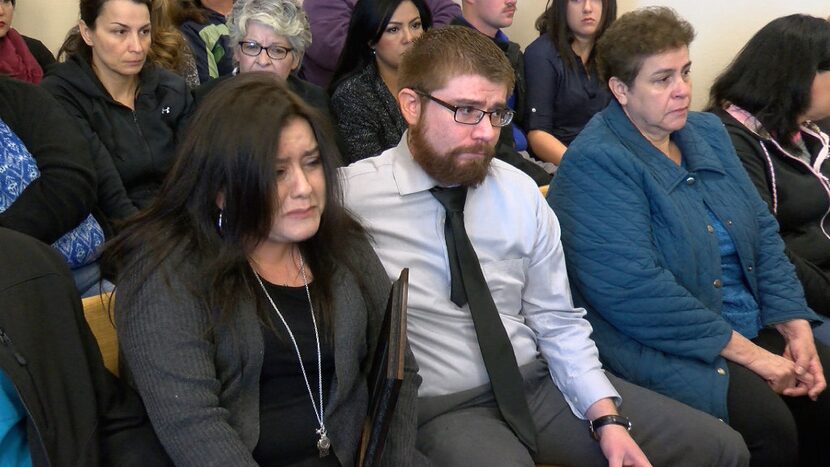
(200, 383)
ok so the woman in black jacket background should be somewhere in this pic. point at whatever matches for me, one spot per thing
(130, 111)
(768, 99)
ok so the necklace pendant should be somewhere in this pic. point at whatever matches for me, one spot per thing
(323, 444)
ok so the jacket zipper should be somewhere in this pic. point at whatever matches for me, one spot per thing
(7, 341)
(815, 170)
(143, 139)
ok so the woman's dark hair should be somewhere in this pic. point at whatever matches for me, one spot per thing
(369, 21)
(230, 148)
(771, 77)
(90, 10)
(554, 22)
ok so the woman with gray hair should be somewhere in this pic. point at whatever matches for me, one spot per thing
(271, 36)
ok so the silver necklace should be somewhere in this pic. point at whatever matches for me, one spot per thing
(323, 443)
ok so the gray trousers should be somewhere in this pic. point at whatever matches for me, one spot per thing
(466, 429)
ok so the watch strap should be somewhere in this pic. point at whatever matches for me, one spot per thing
(599, 422)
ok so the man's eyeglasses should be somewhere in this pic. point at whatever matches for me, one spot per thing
(469, 115)
(253, 49)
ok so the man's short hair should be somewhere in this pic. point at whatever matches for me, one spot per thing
(441, 54)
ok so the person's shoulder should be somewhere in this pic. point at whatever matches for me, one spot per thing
(596, 137)
(704, 121)
(21, 101)
(358, 81)
(541, 46)
(168, 80)
(30, 259)
(366, 169)
(502, 173)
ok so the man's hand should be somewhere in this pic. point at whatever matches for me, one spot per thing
(619, 448)
(801, 350)
(616, 443)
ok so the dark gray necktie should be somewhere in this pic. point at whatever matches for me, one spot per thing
(469, 285)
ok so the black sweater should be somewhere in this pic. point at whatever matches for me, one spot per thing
(63, 195)
(132, 149)
(802, 201)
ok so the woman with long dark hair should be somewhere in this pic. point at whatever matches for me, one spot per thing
(129, 110)
(768, 98)
(366, 79)
(249, 302)
(563, 89)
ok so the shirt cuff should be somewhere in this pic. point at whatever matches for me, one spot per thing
(581, 393)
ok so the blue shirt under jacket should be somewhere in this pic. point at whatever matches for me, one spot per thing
(644, 260)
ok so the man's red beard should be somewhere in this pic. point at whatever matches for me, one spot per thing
(445, 167)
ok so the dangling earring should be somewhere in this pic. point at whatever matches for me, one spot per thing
(219, 222)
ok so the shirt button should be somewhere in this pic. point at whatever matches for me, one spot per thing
(717, 283)
(749, 268)
(690, 181)
(533, 109)
(728, 222)
(710, 229)
(721, 371)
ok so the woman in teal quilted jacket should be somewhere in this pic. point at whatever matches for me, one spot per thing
(677, 259)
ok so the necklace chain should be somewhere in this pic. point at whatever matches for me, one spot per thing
(323, 443)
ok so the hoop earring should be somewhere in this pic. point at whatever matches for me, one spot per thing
(219, 222)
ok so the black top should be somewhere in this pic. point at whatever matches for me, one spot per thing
(560, 99)
(132, 149)
(42, 54)
(288, 425)
(800, 201)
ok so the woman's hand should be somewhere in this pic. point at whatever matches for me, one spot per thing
(777, 371)
(801, 350)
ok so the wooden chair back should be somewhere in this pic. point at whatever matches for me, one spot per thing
(99, 318)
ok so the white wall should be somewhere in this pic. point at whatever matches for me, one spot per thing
(722, 26)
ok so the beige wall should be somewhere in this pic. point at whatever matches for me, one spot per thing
(722, 26)
(47, 20)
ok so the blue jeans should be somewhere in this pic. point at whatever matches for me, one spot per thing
(88, 280)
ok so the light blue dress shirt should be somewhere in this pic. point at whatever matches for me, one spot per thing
(516, 237)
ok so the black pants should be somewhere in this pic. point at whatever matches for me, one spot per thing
(779, 429)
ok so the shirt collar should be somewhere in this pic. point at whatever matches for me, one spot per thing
(409, 176)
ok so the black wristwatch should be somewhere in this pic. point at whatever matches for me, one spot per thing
(598, 422)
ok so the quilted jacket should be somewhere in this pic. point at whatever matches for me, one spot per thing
(644, 260)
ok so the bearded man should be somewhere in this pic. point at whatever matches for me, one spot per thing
(510, 374)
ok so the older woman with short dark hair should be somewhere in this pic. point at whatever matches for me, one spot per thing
(677, 258)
